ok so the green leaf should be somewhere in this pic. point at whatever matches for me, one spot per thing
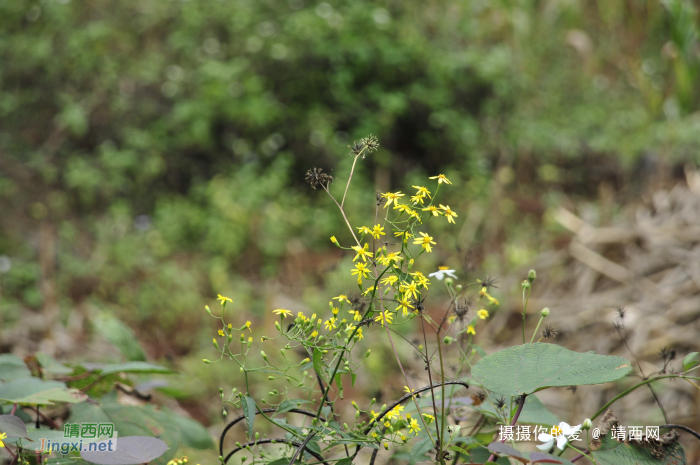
(688, 361)
(51, 365)
(460, 450)
(13, 427)
(353, 376)
(481, 455)
(13, 367)
(249, 410)
(305, 366)
(318, 363)
(339, 381)
(131, 420)
(612, 452)
(534, 412)
(345, 461)
(533, 367)
(135, 367)
(289, 404)
(121, 335)
(38, 392)
(419, 450)
(192, 433)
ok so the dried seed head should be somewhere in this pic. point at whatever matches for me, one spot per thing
(620, 312)
(316, 177)
(549, 332)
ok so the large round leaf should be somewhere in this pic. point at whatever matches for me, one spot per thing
(613, 452)
(530, 368)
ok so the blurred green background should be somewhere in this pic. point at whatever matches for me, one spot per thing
(152, 153)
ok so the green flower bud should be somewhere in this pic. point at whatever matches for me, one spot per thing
(240, 369)
(449, 280)
(545, 312)
(587, 424)
(525, 285)
(277, 325)
(369, 351)
(206, 361)
(264, 355)
(206, 307)
(325, 424)
(448, 340)
(531, 275)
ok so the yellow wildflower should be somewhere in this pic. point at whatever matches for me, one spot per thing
(362, 252)
(334, 240)
(428, 418)
(422, 191)
(358, 335)
(390, 280)
(483, 314)
(395, 413)
(413, 426)
(314, 334)
(425, 241)
(449, 213)
(441, 178)
(391, 197)
(335, 310)
(404, 305)
(380, 318)
(410, 289)
(2, 436)
(470, 330)
(364, 230)
(340, 298)
(433, 209)
(283, 312)
(247, 325)
(378, 231)
(368, 291)
(361, 271)
(223, 299)
(330, 324)
(221, 333)
(356, 315)
(417, 199)
(402, 207)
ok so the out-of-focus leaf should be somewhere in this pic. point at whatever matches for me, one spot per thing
(119, 334)
(11, 367)
(51, 365)
(38, 391)
(130, 450)
(135, 367)
(13, 427)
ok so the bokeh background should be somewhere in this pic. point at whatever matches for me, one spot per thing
(152, 155)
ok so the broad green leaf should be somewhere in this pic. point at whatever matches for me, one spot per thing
(505, 449)
(192, 433)
(688, 361)
(130, 420)
(12, 367)
(481, 455)
(39, 392)
(318, 363)
(51, 365)
(249, 410)
(344, 461)
(288, 404)
(612, 452)
(530, 368)
(13, 427)
(534, 412)
(130, 450)
(135, 367)
(419, 449)
(121, 335)
(353, 377)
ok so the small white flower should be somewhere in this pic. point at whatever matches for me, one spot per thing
(561, 434)
(442, 272)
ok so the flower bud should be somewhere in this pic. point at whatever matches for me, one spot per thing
(545, 312)
(206, 361)
(448, 340)
(410, 264)
(216, 344)
(264, 355)
(449, 280)
(531, 275)
(240, 369)
(277, 325)
(525, 285)
(206, 307)
(335, 241)
(587, 423)
(369, 351)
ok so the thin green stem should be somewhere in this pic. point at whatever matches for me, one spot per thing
(627, 391)
(536, 328)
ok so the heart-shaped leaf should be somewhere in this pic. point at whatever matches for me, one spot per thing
(130, 450)
(12, 367)
(13, 427)
(39, 392)
(530, 368)
(612, 452)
